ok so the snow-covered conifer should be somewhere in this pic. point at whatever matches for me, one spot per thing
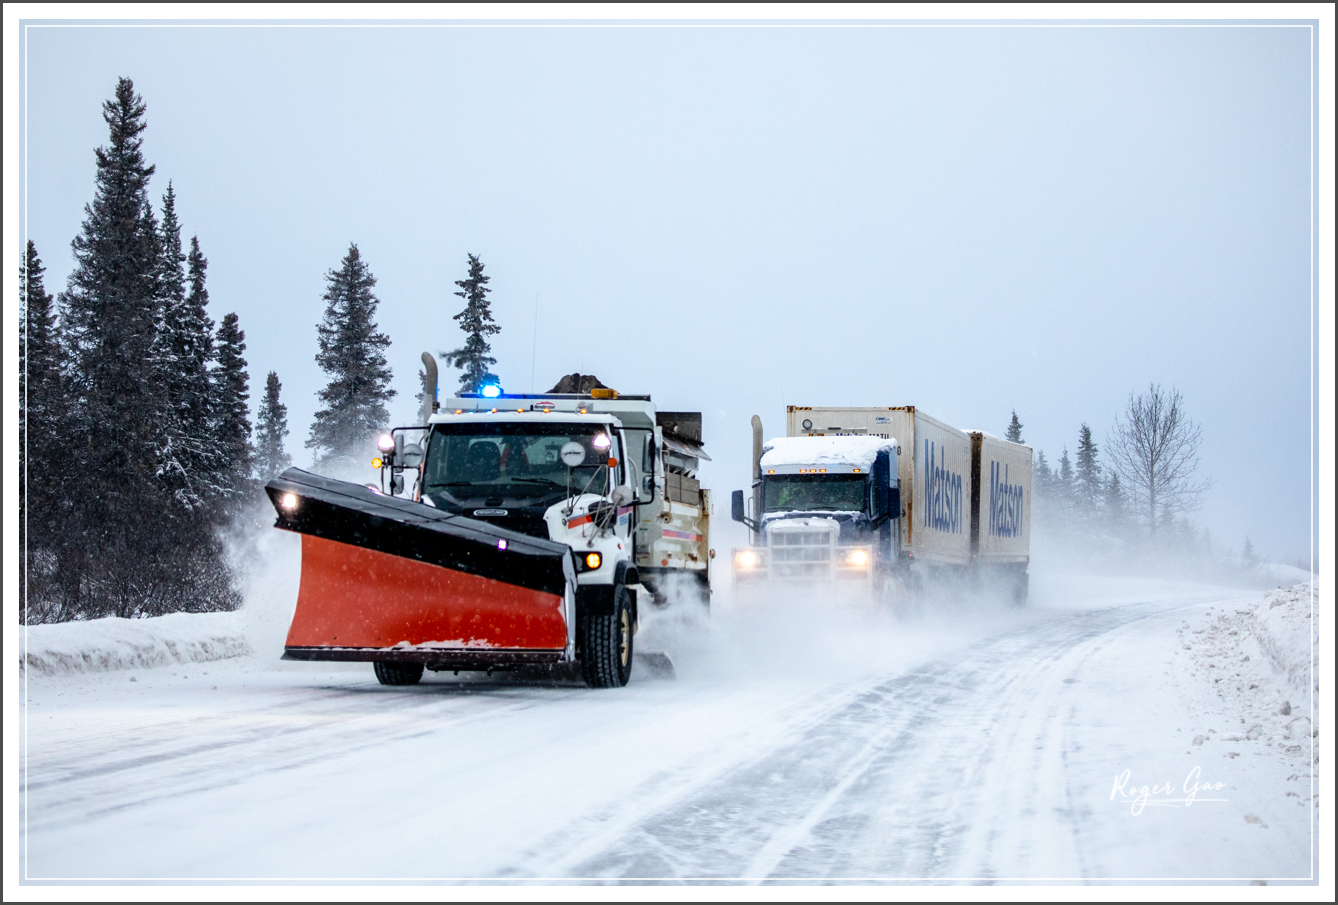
(476, 321)
(190, 462)
(352, 353)
(1014, 433)
(1114, 501)
(271, 429)
(1043, 474)
(110, 313)
(1087, 474)
(232, 424)
(41, 410)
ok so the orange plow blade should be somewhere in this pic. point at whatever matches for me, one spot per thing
(388, 579)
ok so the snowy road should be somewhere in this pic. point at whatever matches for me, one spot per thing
(976, 743)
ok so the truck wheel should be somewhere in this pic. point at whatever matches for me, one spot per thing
(606, 644)
(398, 673)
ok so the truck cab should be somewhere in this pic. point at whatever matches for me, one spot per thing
(824, 509)
(632, 496)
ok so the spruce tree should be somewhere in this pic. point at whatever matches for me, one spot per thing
(39, 368)
(189, 461)
(197, 351)
(1043, 475)
(1063, 496)
(115, 545)
(271, 429)
(476, 321)
(1014, 434)
(232, 421)
(1113, 503)
(1250, 556)
(41, 411)
(352, 353)
(1087, 485)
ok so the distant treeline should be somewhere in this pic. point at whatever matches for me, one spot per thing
(1139, 496)
(137, 453)
(135, 433)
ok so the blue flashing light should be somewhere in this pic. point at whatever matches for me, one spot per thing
(491, 390)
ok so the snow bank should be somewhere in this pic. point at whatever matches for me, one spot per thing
(851, 452)
(1259, 660)
(1283, 626)
(1278, 573)
(99, 645)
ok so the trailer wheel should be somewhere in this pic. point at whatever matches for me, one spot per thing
(606, 644)
(398, 673)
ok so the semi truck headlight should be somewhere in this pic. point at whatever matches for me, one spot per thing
(593, 560)
(747, 559)
(857, 559)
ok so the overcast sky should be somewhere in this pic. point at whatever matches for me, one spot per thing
(969, 220)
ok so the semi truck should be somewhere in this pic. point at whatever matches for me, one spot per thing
(884, 499)
(530, 530)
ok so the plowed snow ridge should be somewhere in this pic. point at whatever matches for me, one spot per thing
(100, 645)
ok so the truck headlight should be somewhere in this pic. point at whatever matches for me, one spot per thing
(593, 560)
(747, 560)
(857, 559)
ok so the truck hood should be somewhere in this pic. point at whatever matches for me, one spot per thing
(854, 525)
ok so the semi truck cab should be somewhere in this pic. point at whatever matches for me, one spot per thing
(824, 509)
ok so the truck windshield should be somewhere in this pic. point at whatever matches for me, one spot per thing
(813, 493)
(516, 459)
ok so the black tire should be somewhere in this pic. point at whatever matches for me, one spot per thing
(398, 673)
(606, 644)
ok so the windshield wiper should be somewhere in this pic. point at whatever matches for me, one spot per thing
(537, 481)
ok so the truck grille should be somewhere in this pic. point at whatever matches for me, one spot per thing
(801, 553)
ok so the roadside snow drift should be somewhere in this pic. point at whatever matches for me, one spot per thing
(99, 645)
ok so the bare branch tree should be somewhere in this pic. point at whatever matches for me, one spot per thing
(1154, 448)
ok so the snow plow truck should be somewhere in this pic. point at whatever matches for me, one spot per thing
(530, 531)
(883, 499)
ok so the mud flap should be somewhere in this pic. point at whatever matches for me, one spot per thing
(385, 578)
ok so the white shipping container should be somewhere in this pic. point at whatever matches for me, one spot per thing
(1001, 505)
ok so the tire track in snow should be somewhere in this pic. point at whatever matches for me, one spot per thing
(875, 787)
(180, 758)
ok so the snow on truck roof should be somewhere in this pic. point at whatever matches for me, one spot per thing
(851, 452)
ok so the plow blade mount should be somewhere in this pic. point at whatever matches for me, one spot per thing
(388, 579)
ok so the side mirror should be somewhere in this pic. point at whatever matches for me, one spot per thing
(411, 456)
(736, 505)
(621, 494)
(894, 502)
(884, 500)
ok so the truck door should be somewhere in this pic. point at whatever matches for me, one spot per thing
(886, 507)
